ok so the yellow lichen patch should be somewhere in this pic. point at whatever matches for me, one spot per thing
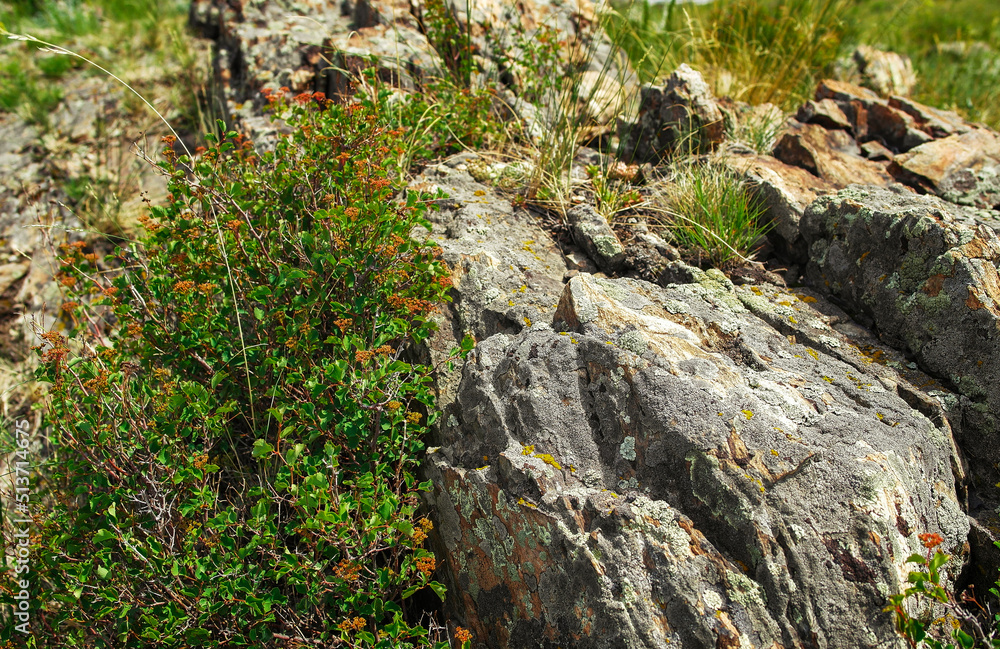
(522, 501)
(548, 459)
(748, 413)
(528, 450)
(756, 290)
(793, 320)
(828, 379)
(774, 453)
(527, 321)
(479, 192)
(808, 299)
(812, 352)
(785, 303)
(879, 416)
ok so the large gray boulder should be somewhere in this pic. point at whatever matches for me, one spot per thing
(661, 468)
(923, 273)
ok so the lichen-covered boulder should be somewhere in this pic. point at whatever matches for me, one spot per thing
(660, 468)
(923, 273)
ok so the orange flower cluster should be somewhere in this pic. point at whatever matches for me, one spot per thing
(394, 405)
(184, 286)
(70, 306)
(352, 212)
(356, 624)
(419, 536)
(347, 570)
(343, 323)
(426, 565)
(930, 541)
(98, 383)
(58, 350)
(413, 417)
(363, 355)
(463, 635)
(66, 280)
(234, 225)
(385, 349)
(410, 304)
(148, 223)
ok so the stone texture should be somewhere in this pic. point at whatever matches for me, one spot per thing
(962, 168)
(594, 235)
(682, 113)
(923, 272)
(662, 468)
(786, 191)
(833, 155)
(824, 112)
(888, 73)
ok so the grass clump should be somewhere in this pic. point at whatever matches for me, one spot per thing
(755, 51)
(236, 423)
(707, 211)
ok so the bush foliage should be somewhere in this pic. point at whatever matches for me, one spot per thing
(236, 436)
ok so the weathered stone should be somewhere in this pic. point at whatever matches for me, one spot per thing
(888, 73)
(934, 121)
(683, 113)
(824, 112)
(584, 498)
(961, 168)
(506, 270)
(786, 191)
(924, 273)
(833, 155)
(592, 232)
(877, 151)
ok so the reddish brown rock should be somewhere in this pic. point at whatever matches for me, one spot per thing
(834, 156)
(786, 192)
(824, 112)
(938, 123)
(962, 168)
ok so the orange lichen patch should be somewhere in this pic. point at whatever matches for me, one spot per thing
(973, 301)
(933, 285)
(652, 521)
(865, 254)
(737, 449)
(729, 635)
(978, 248)
(874, 537)
(696, 537)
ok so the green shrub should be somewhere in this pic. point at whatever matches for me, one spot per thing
(929, 591)
(235, 423)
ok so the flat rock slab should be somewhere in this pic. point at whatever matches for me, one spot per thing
(660, 467)
(962, 168)
(923, 273)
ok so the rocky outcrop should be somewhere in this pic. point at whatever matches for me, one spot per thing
(321, 46)
(888, 73)
(661, 467)
(923, 272)
(683, 113)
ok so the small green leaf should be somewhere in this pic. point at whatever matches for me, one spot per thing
(261, 449)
